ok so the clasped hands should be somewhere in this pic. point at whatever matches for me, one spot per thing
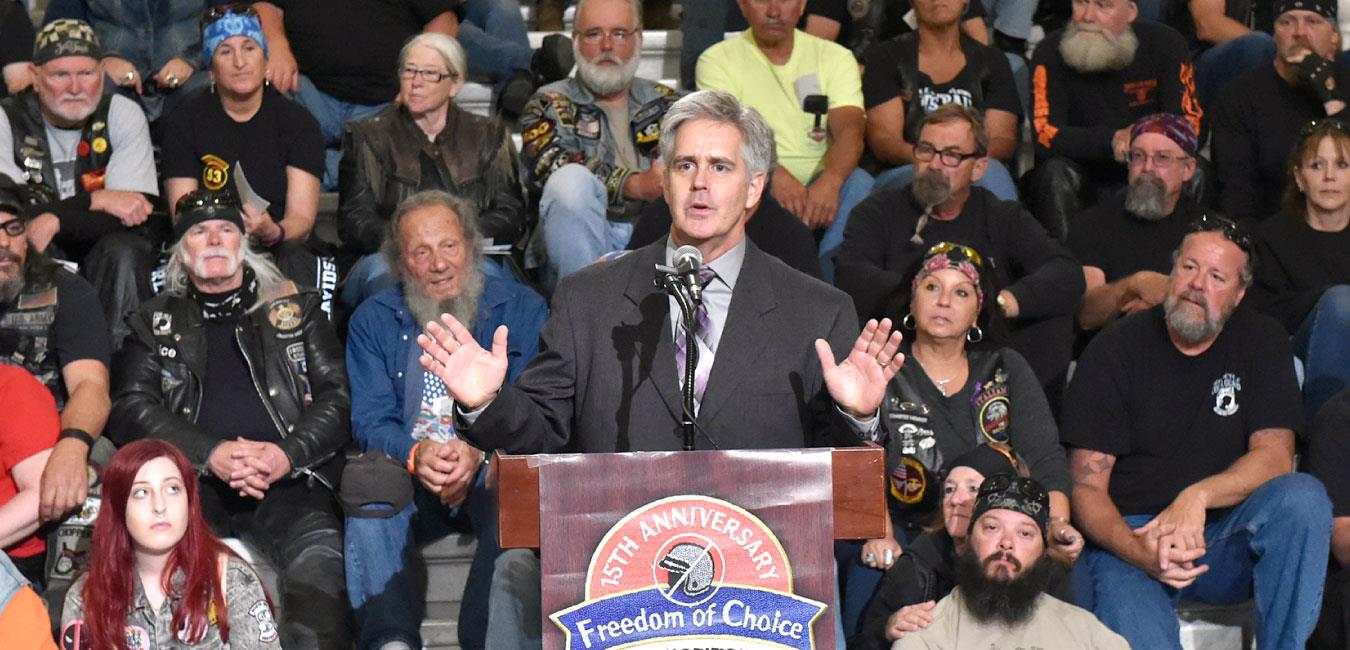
(249, 466)
(447, 469)
(1174, 540)
(472, 375)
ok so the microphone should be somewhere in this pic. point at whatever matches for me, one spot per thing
(688, 260)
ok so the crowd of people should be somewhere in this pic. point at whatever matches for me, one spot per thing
(1108, 366)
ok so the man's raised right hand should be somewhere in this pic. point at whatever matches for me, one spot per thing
(471, 374)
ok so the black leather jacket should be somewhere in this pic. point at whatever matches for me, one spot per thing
(382, 165)
(294, 357)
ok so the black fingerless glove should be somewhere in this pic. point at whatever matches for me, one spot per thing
(1319, 75)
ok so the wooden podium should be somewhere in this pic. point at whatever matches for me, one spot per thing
(606, 548)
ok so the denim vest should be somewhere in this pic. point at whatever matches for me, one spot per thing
(148, 34)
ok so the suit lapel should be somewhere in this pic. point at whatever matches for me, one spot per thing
(649, 320)
(743, 336)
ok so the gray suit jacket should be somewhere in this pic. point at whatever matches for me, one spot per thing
(605, 378)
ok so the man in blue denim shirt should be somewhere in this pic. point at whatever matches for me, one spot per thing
(434, 246)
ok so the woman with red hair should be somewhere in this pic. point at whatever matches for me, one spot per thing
(158, 577)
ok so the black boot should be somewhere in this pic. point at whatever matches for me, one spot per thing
(551, 62)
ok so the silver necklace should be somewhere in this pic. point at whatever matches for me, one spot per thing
(941, 384)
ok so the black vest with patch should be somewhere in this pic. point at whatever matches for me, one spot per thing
(32, 152)
(26, 330)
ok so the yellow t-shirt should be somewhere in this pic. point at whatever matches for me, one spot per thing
(816, 67)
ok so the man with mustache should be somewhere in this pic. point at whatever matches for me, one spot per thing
(1002, 574)
(245, 374)
(589, 143)
(87, 165)
(1090, 82)
(401, 412)
(1125, 243)
(1180, 425)
(776, 68)
(1039, 283)
(51, 326)
(1258, 116)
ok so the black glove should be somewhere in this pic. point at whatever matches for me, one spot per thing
(1319, 75)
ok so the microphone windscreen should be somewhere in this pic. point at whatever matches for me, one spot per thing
(688, 259)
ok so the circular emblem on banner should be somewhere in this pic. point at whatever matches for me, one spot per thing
(684, 568)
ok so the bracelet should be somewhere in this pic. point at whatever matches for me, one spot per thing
(78, 434)
(412, 455)
(281, 236)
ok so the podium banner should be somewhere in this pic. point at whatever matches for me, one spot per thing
(723, 550)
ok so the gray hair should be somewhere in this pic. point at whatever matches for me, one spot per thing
(392, 248)
(177, 278)
(1245, 274)
(757, 144)
(634, 7)
(450, 51)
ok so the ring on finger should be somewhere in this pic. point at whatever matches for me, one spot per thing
(129, 77)
(172, 79)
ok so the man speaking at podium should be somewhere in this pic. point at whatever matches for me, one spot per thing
(608, 374)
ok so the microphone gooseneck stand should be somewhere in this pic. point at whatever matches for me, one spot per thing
(670, 281)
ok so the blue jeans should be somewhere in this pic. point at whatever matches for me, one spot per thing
(382, 588)
(856, 188)
(1274, 543)
(1227, 61)
(996, 179)
(332, 114)
(494, 38)
(576, 228)
(1321, 344)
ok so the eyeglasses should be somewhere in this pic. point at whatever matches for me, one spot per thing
(1161, 159)
(408, 73)
(950, 157)
(13, 227)
(212, 14)
(961, 252)
(619, 36)
(1231, 230)
(1023, 486)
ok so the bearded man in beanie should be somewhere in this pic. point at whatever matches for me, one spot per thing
(246, 375)
(1125, 243)
(87, 167)
(1001, 578)
(1257, 117)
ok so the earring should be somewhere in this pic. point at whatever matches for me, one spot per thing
(974, 334)
(213, 86)
(908, 322)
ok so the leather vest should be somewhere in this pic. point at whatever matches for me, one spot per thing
(914, 463)
(908, 72)
(32, 152)
(26, 329)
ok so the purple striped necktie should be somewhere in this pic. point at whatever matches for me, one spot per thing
(704, 333)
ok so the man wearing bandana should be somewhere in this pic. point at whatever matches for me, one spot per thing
(1038, 282)
(1125, 243)
(87, 166)
(1002, 575)
(1258, 116)
(245, 374)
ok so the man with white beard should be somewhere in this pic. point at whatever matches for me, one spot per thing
(1090, 82)
(85, 162)
(244, 373)
(1125, 243)
(590, 143)
(402, 413)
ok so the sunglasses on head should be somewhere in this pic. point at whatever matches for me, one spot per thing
(961, 252)
(207, 200)
(1231, 230)
(212, 14)
(1023, 486)
(1328, 123)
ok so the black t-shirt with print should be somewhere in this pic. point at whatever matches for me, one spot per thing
(881, 81)
(1172, 420)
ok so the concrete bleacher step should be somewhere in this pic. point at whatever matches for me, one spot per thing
(447, 568)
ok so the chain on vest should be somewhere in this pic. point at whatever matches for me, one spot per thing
(26, 330)
(32, 152)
